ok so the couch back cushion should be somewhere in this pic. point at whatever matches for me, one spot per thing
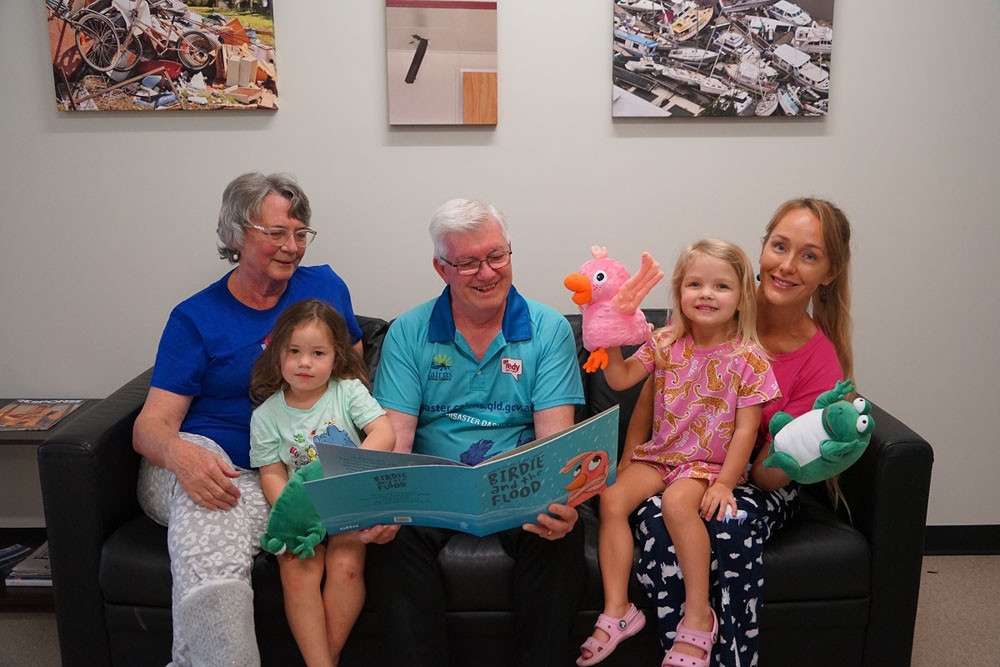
(373, 332)
(598, 396)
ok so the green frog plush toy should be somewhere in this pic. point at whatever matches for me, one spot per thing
(823, 442)
(294, 524)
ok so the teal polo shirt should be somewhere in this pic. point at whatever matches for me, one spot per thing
(469, 410)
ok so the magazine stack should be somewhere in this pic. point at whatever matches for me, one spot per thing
(33, 570)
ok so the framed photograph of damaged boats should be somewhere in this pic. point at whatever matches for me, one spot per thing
(441, 62)
(146, 55)
(736, 58)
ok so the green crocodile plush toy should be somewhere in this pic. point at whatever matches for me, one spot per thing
(823, 442)
(294, 524)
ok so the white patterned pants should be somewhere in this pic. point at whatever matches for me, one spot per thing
(211, 555)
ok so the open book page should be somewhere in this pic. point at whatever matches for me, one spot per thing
(499, 493)
(340, 460)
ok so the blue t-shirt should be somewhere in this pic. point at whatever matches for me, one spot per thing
(211, 342)
(469, 410)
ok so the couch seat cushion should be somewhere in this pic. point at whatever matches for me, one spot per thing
(815, 557)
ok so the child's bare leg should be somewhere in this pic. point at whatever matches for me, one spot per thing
(680, 506)
(344, 591)
(615, 548)
(300, 582)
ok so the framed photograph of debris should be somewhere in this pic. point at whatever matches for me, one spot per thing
(743, 58)
(146, 55)
(441, 62)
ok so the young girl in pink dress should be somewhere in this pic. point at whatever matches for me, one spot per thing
(711, 378)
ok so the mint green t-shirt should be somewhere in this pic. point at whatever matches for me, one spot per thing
(282, 433)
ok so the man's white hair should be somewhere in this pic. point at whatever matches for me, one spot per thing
(460, 216)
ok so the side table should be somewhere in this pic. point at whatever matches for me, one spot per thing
(32, 598)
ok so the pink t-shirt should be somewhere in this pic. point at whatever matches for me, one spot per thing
(802, 376)
(696, 397)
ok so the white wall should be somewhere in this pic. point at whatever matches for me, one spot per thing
(107, 220)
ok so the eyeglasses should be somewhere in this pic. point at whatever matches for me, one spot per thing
(279, 235)
(467, 267)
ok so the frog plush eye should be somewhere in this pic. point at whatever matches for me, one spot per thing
(861, 405)
(594, 463)
(863, 422)
(600, 277)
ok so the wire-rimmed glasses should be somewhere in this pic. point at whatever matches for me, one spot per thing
(279, 235)
(471, 265)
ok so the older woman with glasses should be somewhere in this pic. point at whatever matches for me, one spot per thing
(194, 429)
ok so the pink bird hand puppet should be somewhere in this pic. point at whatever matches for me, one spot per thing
(609, 300)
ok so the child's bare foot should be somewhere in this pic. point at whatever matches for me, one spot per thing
(696, 634)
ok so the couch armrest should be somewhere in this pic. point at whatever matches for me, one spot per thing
(88, 475)
(887, 491)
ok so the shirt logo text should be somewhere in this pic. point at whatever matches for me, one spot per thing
(512, 367)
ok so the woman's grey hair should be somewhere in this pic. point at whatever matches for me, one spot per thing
(242, 201)
(460, 216)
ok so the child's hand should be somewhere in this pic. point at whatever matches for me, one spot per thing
(717, 497)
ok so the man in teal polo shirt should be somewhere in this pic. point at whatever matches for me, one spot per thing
(469, 375)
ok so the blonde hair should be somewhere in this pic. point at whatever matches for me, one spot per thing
(744, 328)
(831, 304)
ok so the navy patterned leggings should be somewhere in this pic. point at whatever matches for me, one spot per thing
(737, 565)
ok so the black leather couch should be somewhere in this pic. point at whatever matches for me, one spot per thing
(835, 594)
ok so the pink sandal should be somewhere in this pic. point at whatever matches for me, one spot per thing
(618, 629)
(697, 638)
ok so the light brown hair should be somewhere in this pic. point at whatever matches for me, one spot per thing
(266, 379)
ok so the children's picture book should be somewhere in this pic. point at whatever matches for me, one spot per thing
(363, 488)
(25, 414)
(33, 570)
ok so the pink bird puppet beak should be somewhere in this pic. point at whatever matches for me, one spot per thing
(579, 284)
